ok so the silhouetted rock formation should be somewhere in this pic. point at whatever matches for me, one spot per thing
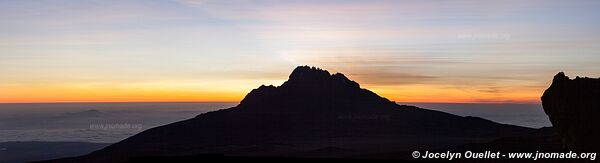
(313, 111)
(573, 106)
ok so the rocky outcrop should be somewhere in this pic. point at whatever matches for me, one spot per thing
(573, 106)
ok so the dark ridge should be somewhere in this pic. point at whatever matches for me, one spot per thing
(312, 112)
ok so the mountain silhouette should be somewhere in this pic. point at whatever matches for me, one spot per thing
(313, 111)
(573, 106)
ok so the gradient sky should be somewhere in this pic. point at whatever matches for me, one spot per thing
(204, 50)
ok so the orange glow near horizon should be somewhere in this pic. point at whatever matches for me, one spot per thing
(408, 93)
(192, 50)
(53, 95)
(434, 94)
(139, 92)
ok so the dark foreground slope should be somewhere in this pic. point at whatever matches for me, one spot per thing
(34, 151)
(573, 106)
(313, 114)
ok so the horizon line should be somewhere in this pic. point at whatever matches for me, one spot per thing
(397, 102)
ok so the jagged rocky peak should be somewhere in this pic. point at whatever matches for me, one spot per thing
(560, 77)
(573, 106)
(307, 73)
(313, 76)
(307, 83)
